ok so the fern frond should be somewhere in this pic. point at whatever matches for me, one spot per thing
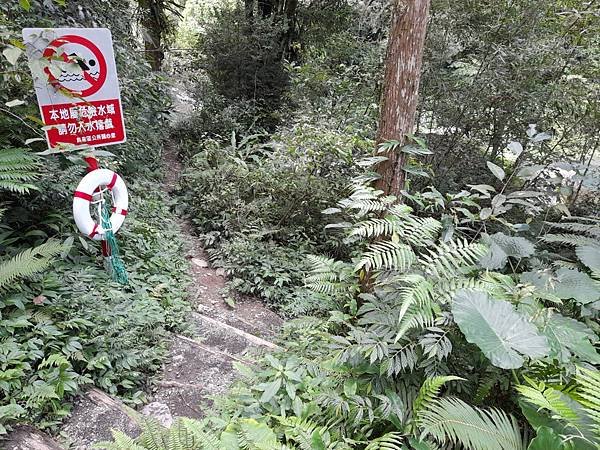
(569, 239)
(206, 440)
(592, 229)
(375, 228)
(446, 289)
(28, 262)
(452, 420)
(387, 256)
(552, 400)
(429, 392)
(589, 390)
(328, 276)
(18, 169)
(120, 442)
(389, 441)
(301, 431)
(448, 259)
(153, 435)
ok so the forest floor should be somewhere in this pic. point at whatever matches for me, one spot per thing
(200, 364)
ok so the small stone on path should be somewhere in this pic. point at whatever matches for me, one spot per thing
(160, 412)
(200, 262)
(221, 272)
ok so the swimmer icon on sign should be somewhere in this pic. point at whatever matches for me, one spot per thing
(75, 80)
(87, 56)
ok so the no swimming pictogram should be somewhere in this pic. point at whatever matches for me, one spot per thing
(87, 56)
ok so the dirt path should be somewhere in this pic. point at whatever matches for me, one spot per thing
(199, 365)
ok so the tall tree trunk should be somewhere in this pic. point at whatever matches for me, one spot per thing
(401, 86)
(153, 32)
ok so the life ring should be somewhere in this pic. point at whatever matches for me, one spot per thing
(85, 195)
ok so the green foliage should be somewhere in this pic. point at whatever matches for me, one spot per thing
(27, 263)
(541, 71)
(501, 333)
(243, 56)
(68, 327)
(17, 170)
(452, 420)
(571, 412)
(73, 326)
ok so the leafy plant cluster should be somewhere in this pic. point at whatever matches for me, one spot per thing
(72, 326)
(475, 101)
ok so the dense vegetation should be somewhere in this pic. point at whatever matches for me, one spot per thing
(462, 315)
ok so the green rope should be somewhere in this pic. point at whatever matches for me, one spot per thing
(115, 265)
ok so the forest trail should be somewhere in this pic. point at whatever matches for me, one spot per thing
(200, 364)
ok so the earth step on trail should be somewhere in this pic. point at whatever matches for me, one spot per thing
(94, 415)
(202, 366)
(28, 438)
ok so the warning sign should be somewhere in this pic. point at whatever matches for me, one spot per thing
(75, 80)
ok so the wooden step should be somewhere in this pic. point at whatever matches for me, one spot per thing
(94, 414)
(28, 438)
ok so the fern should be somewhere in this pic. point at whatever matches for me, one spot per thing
(389, 441)
(552, 400)
(28, 262)
(328, 276)
(388, 256)
(206, 440)
(17, 170)
(450, 259)
(429, 392)
(153, 435)
(451, 419)
(589, 391)
(408, 228)
(304, 432)
(120, 442)
(591, 229)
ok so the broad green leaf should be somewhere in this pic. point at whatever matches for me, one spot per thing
(543, 136)
(270, 390)
(502, 334)
(258, 434)
(15, 102)
(350, 387)
(546, 439)
(501, 247)
(12, 53)
(569, 337)
(25, 4)
(515, 148)
(496, 170)
(590, 256)
(572, 283)
(485, 213)
(317, 441)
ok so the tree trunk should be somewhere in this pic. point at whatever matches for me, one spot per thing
(400, 87)
(153, 33)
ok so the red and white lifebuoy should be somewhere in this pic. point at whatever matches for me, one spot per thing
(84, 195)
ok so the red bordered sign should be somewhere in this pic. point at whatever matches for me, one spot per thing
(75, 79)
